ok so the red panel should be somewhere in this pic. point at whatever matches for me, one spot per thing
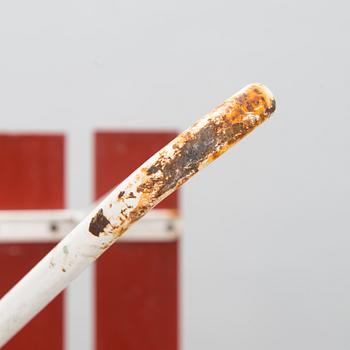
(31, 172)
(31, 177)
(137, 302)
(137, 297)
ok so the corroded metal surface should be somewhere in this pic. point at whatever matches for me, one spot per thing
(158, 177)
(185, 156)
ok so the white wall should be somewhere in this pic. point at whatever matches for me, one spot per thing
(265, 254)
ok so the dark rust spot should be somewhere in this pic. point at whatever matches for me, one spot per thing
(131, 195)
(187, 158)
(98, 223)
(63, 269)
(121, 194)
(124, 213)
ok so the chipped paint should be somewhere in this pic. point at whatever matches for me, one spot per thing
(161, 175)
(177, 162)
(98, 223)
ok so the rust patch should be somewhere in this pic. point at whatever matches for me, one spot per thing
(201, 144)
(121, 194)
(98, 223)
(187, 159)
(195, 148)
(236, 119)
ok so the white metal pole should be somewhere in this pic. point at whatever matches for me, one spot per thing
(158, 177)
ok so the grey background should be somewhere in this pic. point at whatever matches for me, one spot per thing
(265, 252)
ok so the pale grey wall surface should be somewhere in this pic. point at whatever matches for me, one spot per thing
(265, 253)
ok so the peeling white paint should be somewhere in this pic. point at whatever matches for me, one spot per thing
(95, 234)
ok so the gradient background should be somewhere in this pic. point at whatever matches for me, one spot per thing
(265, 251)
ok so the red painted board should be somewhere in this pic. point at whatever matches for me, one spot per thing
(31, 177)
(31, 171)
(137, 283)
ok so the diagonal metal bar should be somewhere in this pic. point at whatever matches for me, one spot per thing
(158, 177)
